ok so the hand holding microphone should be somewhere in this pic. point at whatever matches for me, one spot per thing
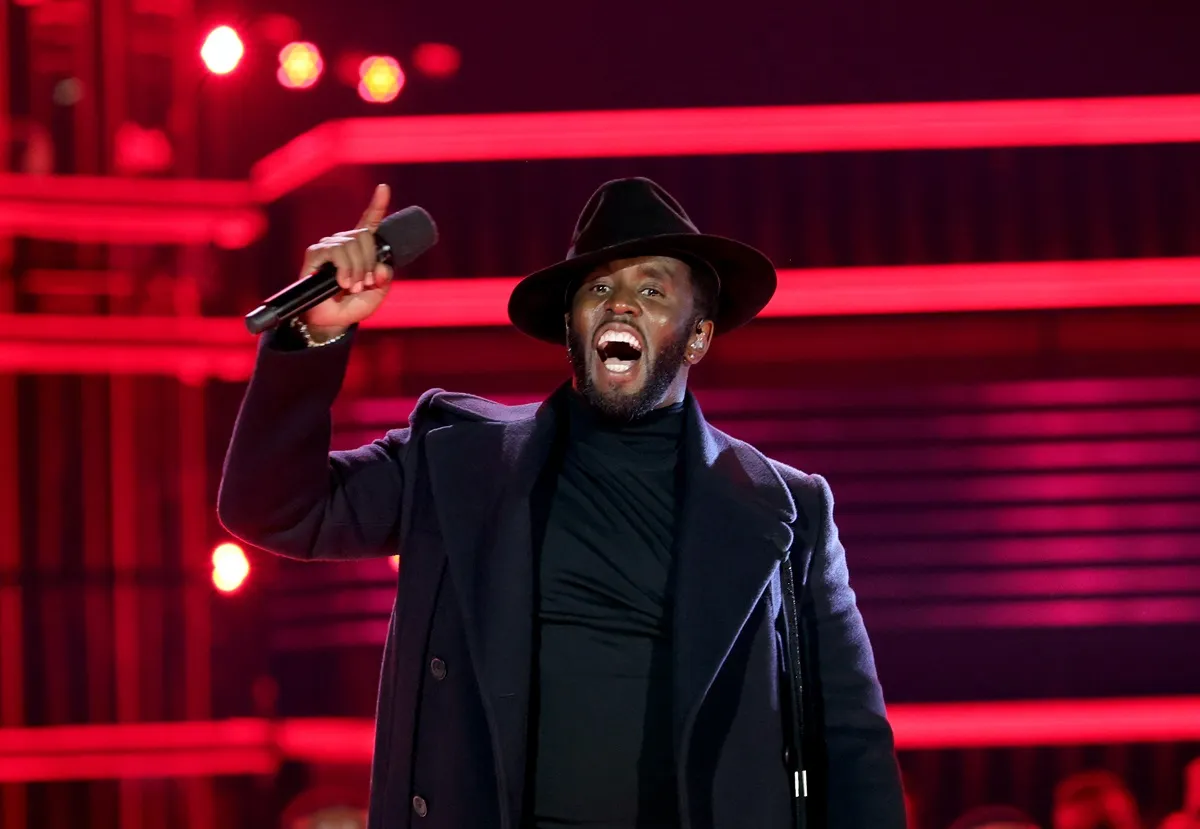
(345, 277)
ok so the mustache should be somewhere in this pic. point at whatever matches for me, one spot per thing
(622, 321)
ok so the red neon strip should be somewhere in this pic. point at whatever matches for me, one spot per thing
(191, 362)
(199, 347)
(1041, 723)
(916, 289)
(210, 748)
(106, 191)
(726, 131)
(326, 740)
(186, 347)
(90, 209)
(133, 224)
(137, 766)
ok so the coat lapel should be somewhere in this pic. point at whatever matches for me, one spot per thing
(483, 475)
(735, 528)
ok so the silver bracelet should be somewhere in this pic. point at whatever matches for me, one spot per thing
(309, 342)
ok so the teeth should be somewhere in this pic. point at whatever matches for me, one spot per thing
(619, 337)
(617, 366)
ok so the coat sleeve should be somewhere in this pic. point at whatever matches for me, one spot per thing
(282, 489)
(863, 787)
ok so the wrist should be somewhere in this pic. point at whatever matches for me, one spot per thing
(317, 335)
(322, 334)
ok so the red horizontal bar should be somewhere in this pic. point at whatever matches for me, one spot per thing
(104, 766)
(250, 747)
(109, 190)
(136, 737)
(191, 348)
(1045, 723)
(93, 209)
(200, 347)
(912, 289)
(90, 209)
(726, 131)
(326, 740)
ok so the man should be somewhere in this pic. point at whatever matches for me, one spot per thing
(589, 629)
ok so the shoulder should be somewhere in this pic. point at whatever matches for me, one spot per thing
(803, 484)
(811, 492)
(438, 407)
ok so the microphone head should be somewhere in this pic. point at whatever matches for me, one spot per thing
(409, 233)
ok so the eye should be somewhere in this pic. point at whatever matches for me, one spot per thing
(598, 288)
(652, 291)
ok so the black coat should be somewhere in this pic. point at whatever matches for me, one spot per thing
(451, 492)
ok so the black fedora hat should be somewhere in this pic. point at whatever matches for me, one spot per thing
(635, 217)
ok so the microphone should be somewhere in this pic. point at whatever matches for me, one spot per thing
(399, 239)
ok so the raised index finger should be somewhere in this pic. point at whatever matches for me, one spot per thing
(377, 209)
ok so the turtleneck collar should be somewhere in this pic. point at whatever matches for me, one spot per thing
(654, 435)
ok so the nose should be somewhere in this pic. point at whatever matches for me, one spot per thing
(623, 300)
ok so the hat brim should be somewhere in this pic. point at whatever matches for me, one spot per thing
(748, 281)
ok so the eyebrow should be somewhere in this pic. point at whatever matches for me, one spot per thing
(654, 269)
(657, 269)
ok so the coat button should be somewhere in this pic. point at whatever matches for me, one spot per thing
(438, 668)
(420, 806)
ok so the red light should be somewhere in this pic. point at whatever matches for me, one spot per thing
(300, 65)
(437, 60)
(230, 566)
(222, 50)
(380, 79)
(137, 150)
(395, 562)
(277, 29)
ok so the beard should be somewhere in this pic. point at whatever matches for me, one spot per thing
(620, 406)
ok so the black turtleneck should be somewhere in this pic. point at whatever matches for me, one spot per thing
(602, 745)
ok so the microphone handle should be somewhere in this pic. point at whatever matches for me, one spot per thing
(303, 294)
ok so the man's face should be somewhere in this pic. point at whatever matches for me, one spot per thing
(632, 332)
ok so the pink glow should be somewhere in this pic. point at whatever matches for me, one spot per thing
(1088, 582)
(1042, 613)
(729, 131)
(209, 748)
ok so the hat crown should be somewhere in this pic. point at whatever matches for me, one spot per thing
(626, 210)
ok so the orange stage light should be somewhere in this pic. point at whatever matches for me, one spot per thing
(380, 79)
(300, 65)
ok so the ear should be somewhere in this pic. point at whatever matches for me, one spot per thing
(699, 342)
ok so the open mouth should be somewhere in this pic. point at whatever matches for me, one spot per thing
(619, 350)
